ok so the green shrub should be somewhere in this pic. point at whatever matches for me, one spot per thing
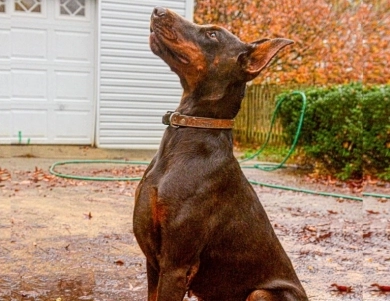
(376, 127)
(346, 128)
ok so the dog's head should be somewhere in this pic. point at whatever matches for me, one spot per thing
(208, 58)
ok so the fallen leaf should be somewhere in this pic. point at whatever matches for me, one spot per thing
(310, 228)
(4, 175)
(382, 288)
(323, 236)
(89, 215)
(367, 234)
(342, 288)
(119, 262)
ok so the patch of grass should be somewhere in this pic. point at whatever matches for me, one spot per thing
(271, 154)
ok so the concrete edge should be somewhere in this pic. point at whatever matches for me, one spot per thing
(73, 152)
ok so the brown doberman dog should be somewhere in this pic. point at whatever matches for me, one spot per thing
(196, 217)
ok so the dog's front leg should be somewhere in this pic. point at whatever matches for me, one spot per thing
(172, 284)
(152, 274)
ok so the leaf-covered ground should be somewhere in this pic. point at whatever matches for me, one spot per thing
(64, 239)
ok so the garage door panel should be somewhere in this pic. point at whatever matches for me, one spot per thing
(31, 123)
(72, 125)
(29, 84)
(5, 124)
(5, 49)
(80, 50)
(73, 86)
(29, 43)
(5, 85)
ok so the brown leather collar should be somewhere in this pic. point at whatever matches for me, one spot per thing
(175, 119)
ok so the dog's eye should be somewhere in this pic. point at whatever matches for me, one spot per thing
(212, 34)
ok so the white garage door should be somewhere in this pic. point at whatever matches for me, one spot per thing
(47, 71)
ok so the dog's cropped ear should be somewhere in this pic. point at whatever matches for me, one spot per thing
(259, 55)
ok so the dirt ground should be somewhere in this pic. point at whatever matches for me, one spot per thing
(64, 239)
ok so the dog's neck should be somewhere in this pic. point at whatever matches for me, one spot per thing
(199, 104)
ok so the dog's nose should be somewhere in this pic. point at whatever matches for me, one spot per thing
(159, 12)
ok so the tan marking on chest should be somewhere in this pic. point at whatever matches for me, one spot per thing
(157, 208)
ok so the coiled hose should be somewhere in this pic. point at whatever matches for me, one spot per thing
(267, 167)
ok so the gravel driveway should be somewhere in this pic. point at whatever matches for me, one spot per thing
(64, 239)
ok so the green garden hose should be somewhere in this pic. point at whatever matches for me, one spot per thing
(377, 195)
(86, 178)
(296, 136)
(52, 171)
(268, 167)
(308, 191)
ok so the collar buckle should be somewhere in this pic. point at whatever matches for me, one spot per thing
(167, 118)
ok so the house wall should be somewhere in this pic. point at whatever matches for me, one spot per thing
(135, 87)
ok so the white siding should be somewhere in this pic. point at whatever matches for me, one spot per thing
(136, 87)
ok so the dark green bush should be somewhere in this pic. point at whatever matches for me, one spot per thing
(346, 128)
(376, 129)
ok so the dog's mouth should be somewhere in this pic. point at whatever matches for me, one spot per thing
(162, 43)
